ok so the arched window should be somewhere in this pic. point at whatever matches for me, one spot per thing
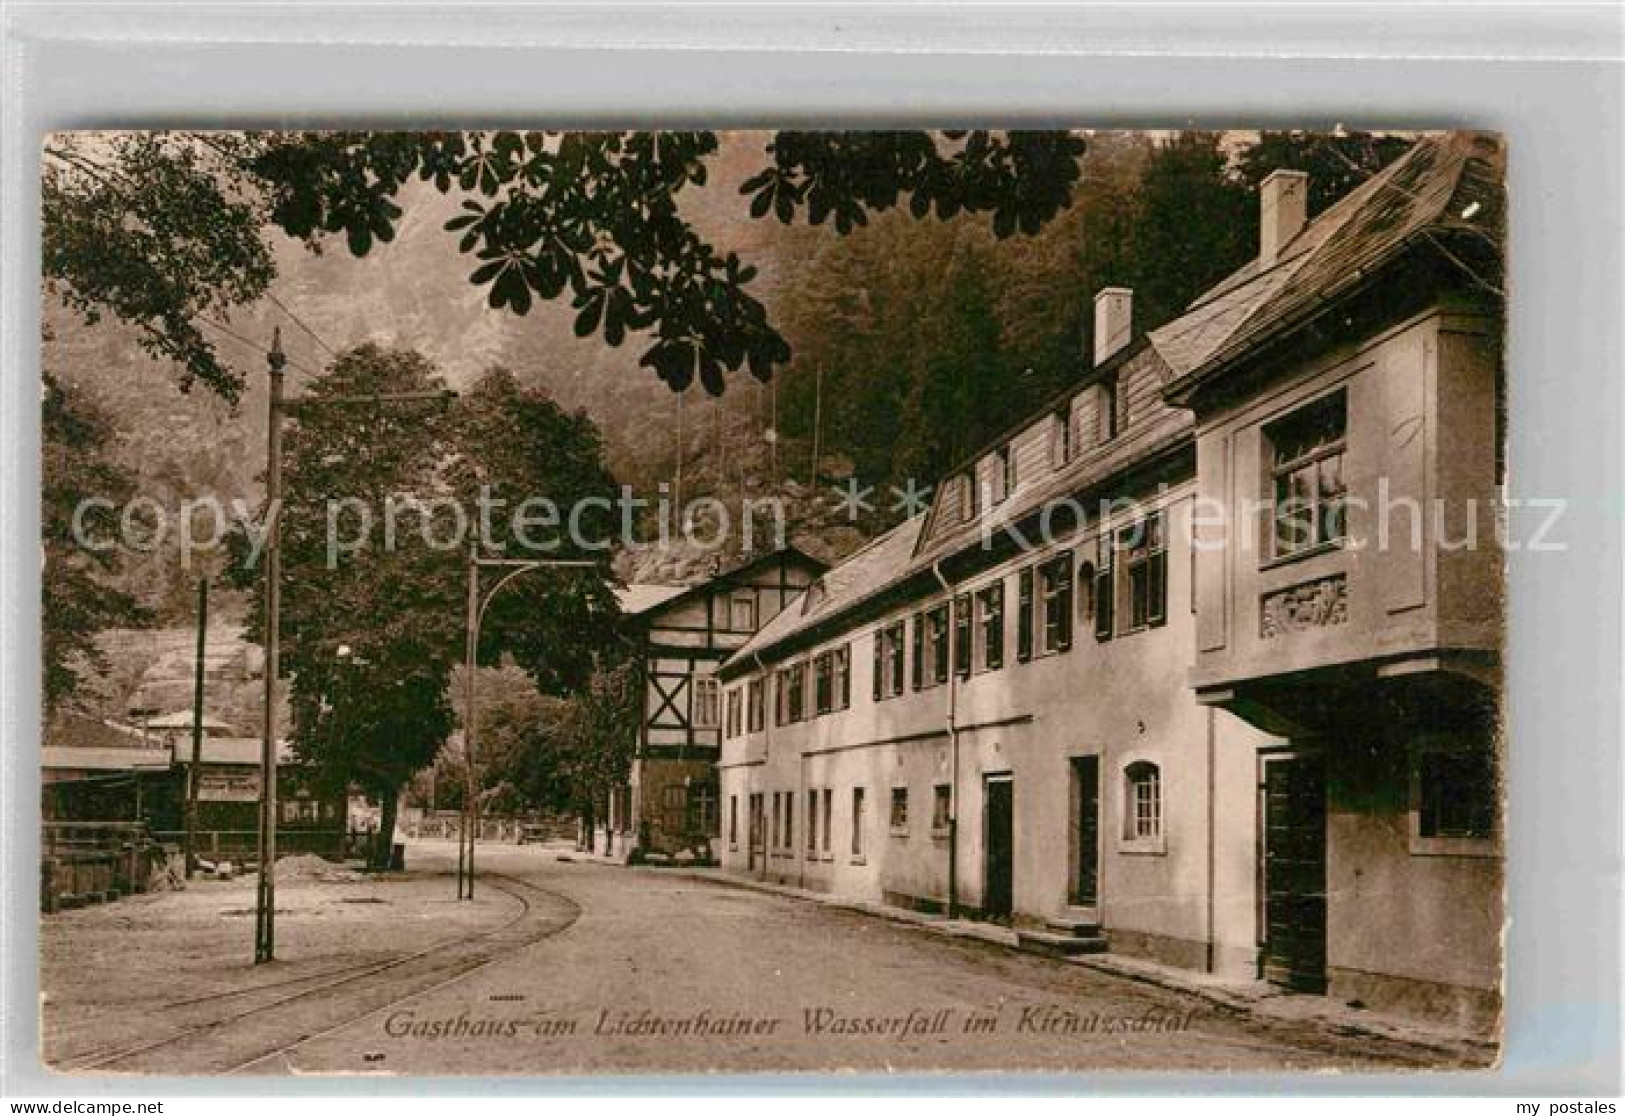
(1142, 801)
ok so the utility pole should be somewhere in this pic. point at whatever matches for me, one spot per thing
(265, 898)
(476, 616)
(194, 771)
(465, 872)
(677, 486)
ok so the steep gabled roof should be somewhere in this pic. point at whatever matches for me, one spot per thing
(683, 592)
(1445, 184)
(860, 577)
(641, 596)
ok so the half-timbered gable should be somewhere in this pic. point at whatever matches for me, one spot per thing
(687, 632)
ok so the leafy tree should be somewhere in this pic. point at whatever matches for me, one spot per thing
(163, 228)
(524, 752)
(1193, 225)
(562, 754)
(396, 599)
(159, 230)
(79, 600)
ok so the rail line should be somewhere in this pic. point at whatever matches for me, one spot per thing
(450, 961)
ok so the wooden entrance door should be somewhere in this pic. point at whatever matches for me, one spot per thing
(1294, 871)
(1086, 831)
(998, 796)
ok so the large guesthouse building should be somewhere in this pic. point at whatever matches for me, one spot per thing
(1195, 664)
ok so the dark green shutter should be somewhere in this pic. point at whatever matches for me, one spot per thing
(995, 631)
(1103, 595)
(1157, 575)
(1063, 592)
(1024, 615)
(918, 672)
(962, 635)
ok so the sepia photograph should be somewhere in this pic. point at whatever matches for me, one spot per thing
(563, 603)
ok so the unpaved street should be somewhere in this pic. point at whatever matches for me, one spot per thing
(565, 967)
(653, 955)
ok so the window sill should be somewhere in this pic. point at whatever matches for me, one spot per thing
(858, 860)
(1467, 847)
(1143, 846)
(1280, 560)
(939, 834)
(896, 832)
(1140, 630)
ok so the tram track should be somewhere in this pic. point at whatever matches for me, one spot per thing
(280, 1015)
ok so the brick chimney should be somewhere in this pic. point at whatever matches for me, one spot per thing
(1114, 321)
(1283, 207)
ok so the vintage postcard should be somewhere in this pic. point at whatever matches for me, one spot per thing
(542, 603)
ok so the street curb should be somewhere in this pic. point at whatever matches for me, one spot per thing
(1479, 1052)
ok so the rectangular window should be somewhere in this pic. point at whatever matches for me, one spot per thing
(899, 809)
(858, 821)
(756, 704)
(841, 665)
(893, 638)
(1455, 793)
(774, 832)
(1055, 599)
(823, 683)
(829, 799)
(707, 703)
(798, 683)
(733, 819)
(812, 821)
(730, 723)
(702, 809)
(1007, 472)
(1062, 426)
(933, 647)
(1143, 813)
(742, 612)
(1144, 558)
(962, 636)
(967, 497)
(1103, 592)
(1024, 615)
(919, 674)
(1108, 408)
(990, 627)
(941, 798)
(1306, 476)
(789, 821)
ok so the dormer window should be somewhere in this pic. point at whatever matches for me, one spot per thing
(1006, 464)
(1061, 426)
(1108, 408)
(967, 495)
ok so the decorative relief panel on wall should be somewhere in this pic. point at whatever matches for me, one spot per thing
(1314, 604)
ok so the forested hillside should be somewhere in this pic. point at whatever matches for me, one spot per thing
(913, 340)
